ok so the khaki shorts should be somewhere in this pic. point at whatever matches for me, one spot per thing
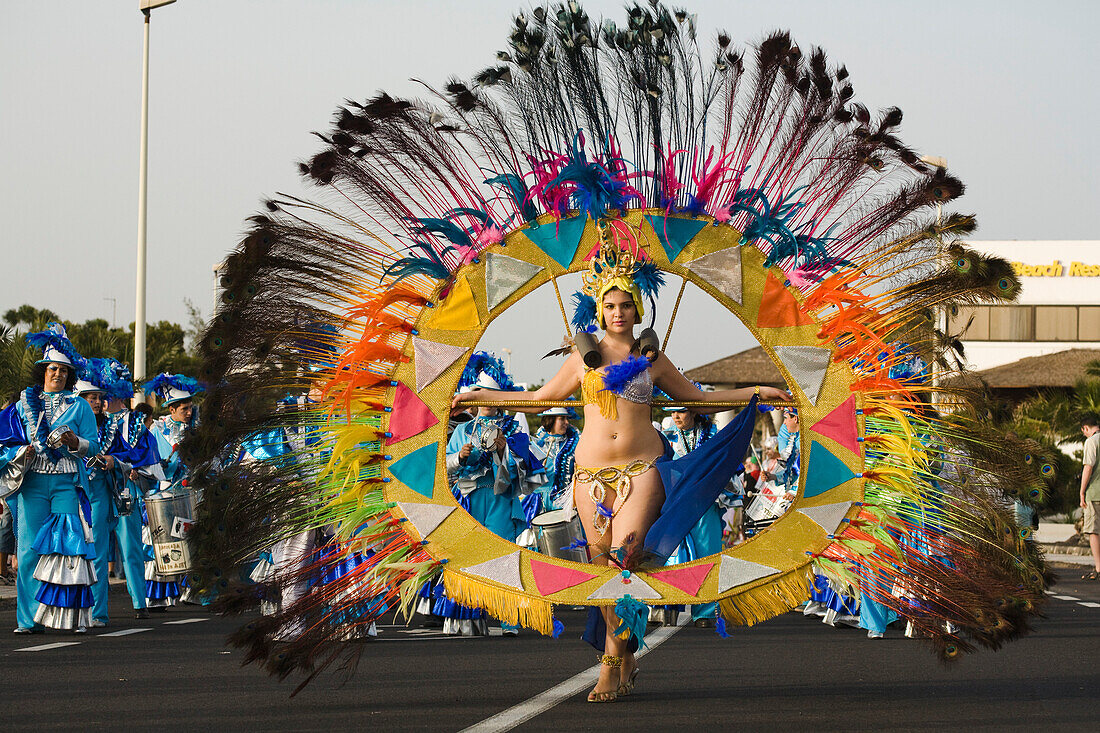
(1092, 518)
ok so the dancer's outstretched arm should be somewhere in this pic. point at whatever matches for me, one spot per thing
(561, 386)
(678, 387)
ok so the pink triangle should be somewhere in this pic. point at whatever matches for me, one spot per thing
(840, 425)
(689, 579)
(552, 578)
(410, 415)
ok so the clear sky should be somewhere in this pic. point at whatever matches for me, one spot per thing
(1003, 89)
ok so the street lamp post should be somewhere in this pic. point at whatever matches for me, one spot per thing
(146, 7)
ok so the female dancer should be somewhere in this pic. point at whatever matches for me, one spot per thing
(616, 488)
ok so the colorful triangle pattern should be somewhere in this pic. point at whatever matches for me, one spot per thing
(828, 516)
(410, 416)
(558, 239)
(458, 311)
(807, 365)
(417, 470)
(689, 579)
(426, 518)
(735, 571)
(778, 307)
(841, 425)
(550, 578)
(722, 269)
(674, 232)
(505, 275)
(503, 570)
(619, 586)
(825, 471)
(432, 358)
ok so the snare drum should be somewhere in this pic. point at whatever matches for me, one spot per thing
(171, 514)
(556, 532)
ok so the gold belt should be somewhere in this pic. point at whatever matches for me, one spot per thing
(614, 478)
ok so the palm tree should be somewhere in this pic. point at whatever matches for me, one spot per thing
(16, 361)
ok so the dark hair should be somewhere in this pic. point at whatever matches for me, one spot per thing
(143, 408)
(549, 420)
(38, 375)
(1090, 419)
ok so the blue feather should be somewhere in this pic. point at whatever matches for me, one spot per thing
(55, 336)
(649, 279)
(617, 375)
(584, 311)
(483, 361)
(558, 628)
(596, 190)
(634, 615)
(443, 227)
(720, 628)
(517, 191)
(163, 381)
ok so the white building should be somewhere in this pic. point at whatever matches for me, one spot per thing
(1058, 308)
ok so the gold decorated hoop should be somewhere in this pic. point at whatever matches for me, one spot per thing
(765, 575)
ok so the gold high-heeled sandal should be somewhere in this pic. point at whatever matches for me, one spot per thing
(614, 662)
(625, 688)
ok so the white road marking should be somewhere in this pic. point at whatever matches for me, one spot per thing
(124, 632)
(540, 703)
(185, 621)
(1066, 598)
(1088, 604)
(47, 647)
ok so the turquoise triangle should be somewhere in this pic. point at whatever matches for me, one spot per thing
(558, 239)
(675, 233)
(417, 470)
(825, 471)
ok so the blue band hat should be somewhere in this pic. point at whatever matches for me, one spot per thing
(56, 347)
(173, 388)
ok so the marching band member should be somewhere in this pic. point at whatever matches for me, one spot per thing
(494, 467)
(141, 459)
(176, 393)
(55, 544)
(104, 513)
(557, 439)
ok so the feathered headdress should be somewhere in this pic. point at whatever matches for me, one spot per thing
(768, 145)
(110, 376)
(56, 347)
(484, 363)
(172, 388)
(620, 262)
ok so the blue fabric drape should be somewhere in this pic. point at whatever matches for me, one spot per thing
(693, 483)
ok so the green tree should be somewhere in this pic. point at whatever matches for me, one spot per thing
(1053, 419)
(166, 344)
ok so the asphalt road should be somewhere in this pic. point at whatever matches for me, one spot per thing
(789, 673)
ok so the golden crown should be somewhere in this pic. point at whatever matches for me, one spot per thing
(610, 262)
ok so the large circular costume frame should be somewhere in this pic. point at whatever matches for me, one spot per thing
(765, 575)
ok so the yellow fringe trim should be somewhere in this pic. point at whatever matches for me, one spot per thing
(592, 391)
(768, 600)
(502, 603)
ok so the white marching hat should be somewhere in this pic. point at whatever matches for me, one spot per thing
(554, 412)
(83, 387)
(54, 356)
(486, 382)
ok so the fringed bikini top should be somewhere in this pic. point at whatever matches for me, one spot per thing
(628, 379)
